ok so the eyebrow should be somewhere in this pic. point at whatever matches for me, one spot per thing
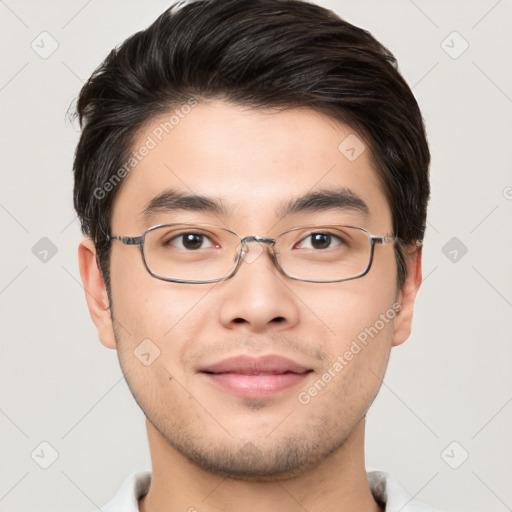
(172, 200)
(321, 200)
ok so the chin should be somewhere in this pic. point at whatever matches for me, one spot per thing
(262, 461)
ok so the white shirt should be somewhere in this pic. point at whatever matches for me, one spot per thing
(384, 487)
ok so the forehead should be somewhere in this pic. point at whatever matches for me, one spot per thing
(251, 162)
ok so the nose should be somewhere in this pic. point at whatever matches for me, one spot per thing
(258, 298)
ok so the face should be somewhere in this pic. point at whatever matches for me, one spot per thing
(259, 375)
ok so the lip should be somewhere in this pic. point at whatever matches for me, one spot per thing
(255, 377)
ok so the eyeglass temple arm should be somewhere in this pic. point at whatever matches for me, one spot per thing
(392, 239)
(384, 239)
(127, 240)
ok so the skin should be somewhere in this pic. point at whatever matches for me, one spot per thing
(212, 450)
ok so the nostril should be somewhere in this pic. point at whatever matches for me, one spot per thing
(278, 319)
(239, 321)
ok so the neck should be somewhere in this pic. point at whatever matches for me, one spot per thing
(338, 483)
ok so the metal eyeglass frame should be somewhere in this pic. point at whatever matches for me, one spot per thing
(139, 240)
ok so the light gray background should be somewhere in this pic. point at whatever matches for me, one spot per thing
(451, 381)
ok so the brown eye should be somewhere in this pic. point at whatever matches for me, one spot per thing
(191, 241)
(319, 241)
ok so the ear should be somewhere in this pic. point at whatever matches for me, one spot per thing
(96, 293)
(407, 294)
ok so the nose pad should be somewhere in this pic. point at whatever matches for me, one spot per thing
(250, 253)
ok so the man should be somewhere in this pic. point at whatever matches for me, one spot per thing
(252, 179)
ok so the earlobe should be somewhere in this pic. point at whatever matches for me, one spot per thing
(407, 295)
(96, 293)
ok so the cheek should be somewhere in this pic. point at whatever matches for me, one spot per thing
(346, 311)
(359, 349)
(365, 319)
(147, 307)
(357, 320)
(155, 321)
(358, 356)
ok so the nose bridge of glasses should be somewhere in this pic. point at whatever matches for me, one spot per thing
(259, 239)
(249, 256)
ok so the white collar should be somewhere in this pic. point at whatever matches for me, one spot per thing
(385, 489)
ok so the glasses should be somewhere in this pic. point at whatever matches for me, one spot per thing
(203, 253)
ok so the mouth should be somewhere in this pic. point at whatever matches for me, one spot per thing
(255, 377)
